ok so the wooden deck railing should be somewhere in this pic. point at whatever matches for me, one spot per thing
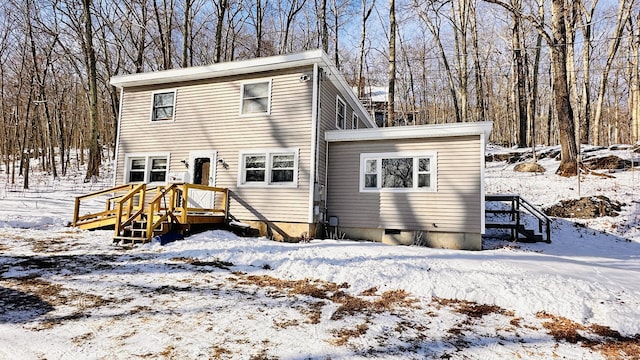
(113, 194)
(130, 203)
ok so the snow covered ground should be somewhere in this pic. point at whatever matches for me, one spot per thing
(70, 294)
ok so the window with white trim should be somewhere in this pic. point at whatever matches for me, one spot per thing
(398, 172)
(255, 98)
(274, 167)
(146, 168)
(355, 119)
(341, 113)
(163, 105)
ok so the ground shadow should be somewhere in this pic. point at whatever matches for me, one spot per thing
(17, 307)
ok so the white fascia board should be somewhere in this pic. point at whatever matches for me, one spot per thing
(219, 69)
(411, 132)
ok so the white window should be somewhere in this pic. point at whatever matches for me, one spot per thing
(354, 121)
(398, 172)
(274, 167)
(163, 105)
(255, 98)
(146, 168)
(341, 113)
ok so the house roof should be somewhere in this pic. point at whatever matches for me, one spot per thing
(241, 67)
(411, 132)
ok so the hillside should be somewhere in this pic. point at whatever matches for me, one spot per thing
(68, 294)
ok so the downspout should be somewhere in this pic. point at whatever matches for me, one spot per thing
(117, 153)
(314, 153)
(482, 187)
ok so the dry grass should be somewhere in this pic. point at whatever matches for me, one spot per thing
(218, 352)
(472, 309)
(342, 336)
(610, 343)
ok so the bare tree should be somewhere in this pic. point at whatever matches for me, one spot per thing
(366, 12)
(392, 64)
(95, 156)
(623, 17)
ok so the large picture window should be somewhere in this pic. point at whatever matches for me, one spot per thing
(146, 168)
(268, 167)
(398, 172)
(163, 107)
(255, 98)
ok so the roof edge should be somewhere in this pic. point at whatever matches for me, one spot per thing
(219, 69)
(411, 132)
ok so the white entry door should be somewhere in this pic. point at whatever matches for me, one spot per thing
(202, 171)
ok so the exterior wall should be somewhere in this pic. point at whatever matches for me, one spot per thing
(207, 117)
(327, 121)
(455, 207)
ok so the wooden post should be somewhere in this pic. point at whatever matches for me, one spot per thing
(118, 218)
(76, 211)
(185, 203)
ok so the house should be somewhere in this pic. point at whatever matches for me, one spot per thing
(295, 148)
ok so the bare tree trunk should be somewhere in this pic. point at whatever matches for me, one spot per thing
(623, 17)
(186, 35)
(325, 27)
(585, 110)
(569, 153)
(164, 22)
(95, 156)
(520, 74)
(392, 64)
(363, 36)
(481, 111)
(223, 5)
(634, 104)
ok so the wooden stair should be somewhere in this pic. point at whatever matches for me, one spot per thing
(142, 213)
(509, 218)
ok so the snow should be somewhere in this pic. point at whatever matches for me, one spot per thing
(68, 293)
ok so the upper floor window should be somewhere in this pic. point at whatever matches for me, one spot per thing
(341, 113)
(256, 98)
(268, 167)
(146, 168)
(163, 105)
(398, 172)
(355, 119)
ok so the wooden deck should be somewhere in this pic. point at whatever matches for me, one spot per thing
(137, 213)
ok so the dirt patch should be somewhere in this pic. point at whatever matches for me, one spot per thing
(588, 207)
(213, 263)
(610, 163)
(529, 167)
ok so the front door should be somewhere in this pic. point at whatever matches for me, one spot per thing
(202, 172)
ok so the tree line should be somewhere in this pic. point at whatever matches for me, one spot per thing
(545, 71)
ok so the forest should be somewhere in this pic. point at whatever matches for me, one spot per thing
(546, 72)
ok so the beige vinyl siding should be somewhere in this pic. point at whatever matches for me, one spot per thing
(455, 207)
(208, 117)
(327, 120)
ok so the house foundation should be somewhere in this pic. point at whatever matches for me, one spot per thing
(441, 240)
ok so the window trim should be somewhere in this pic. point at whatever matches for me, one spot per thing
(343, 125)
(251, 82)
(148, 161)
(433, 155)
(153, 107)
(355, 120)
(268, 154)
